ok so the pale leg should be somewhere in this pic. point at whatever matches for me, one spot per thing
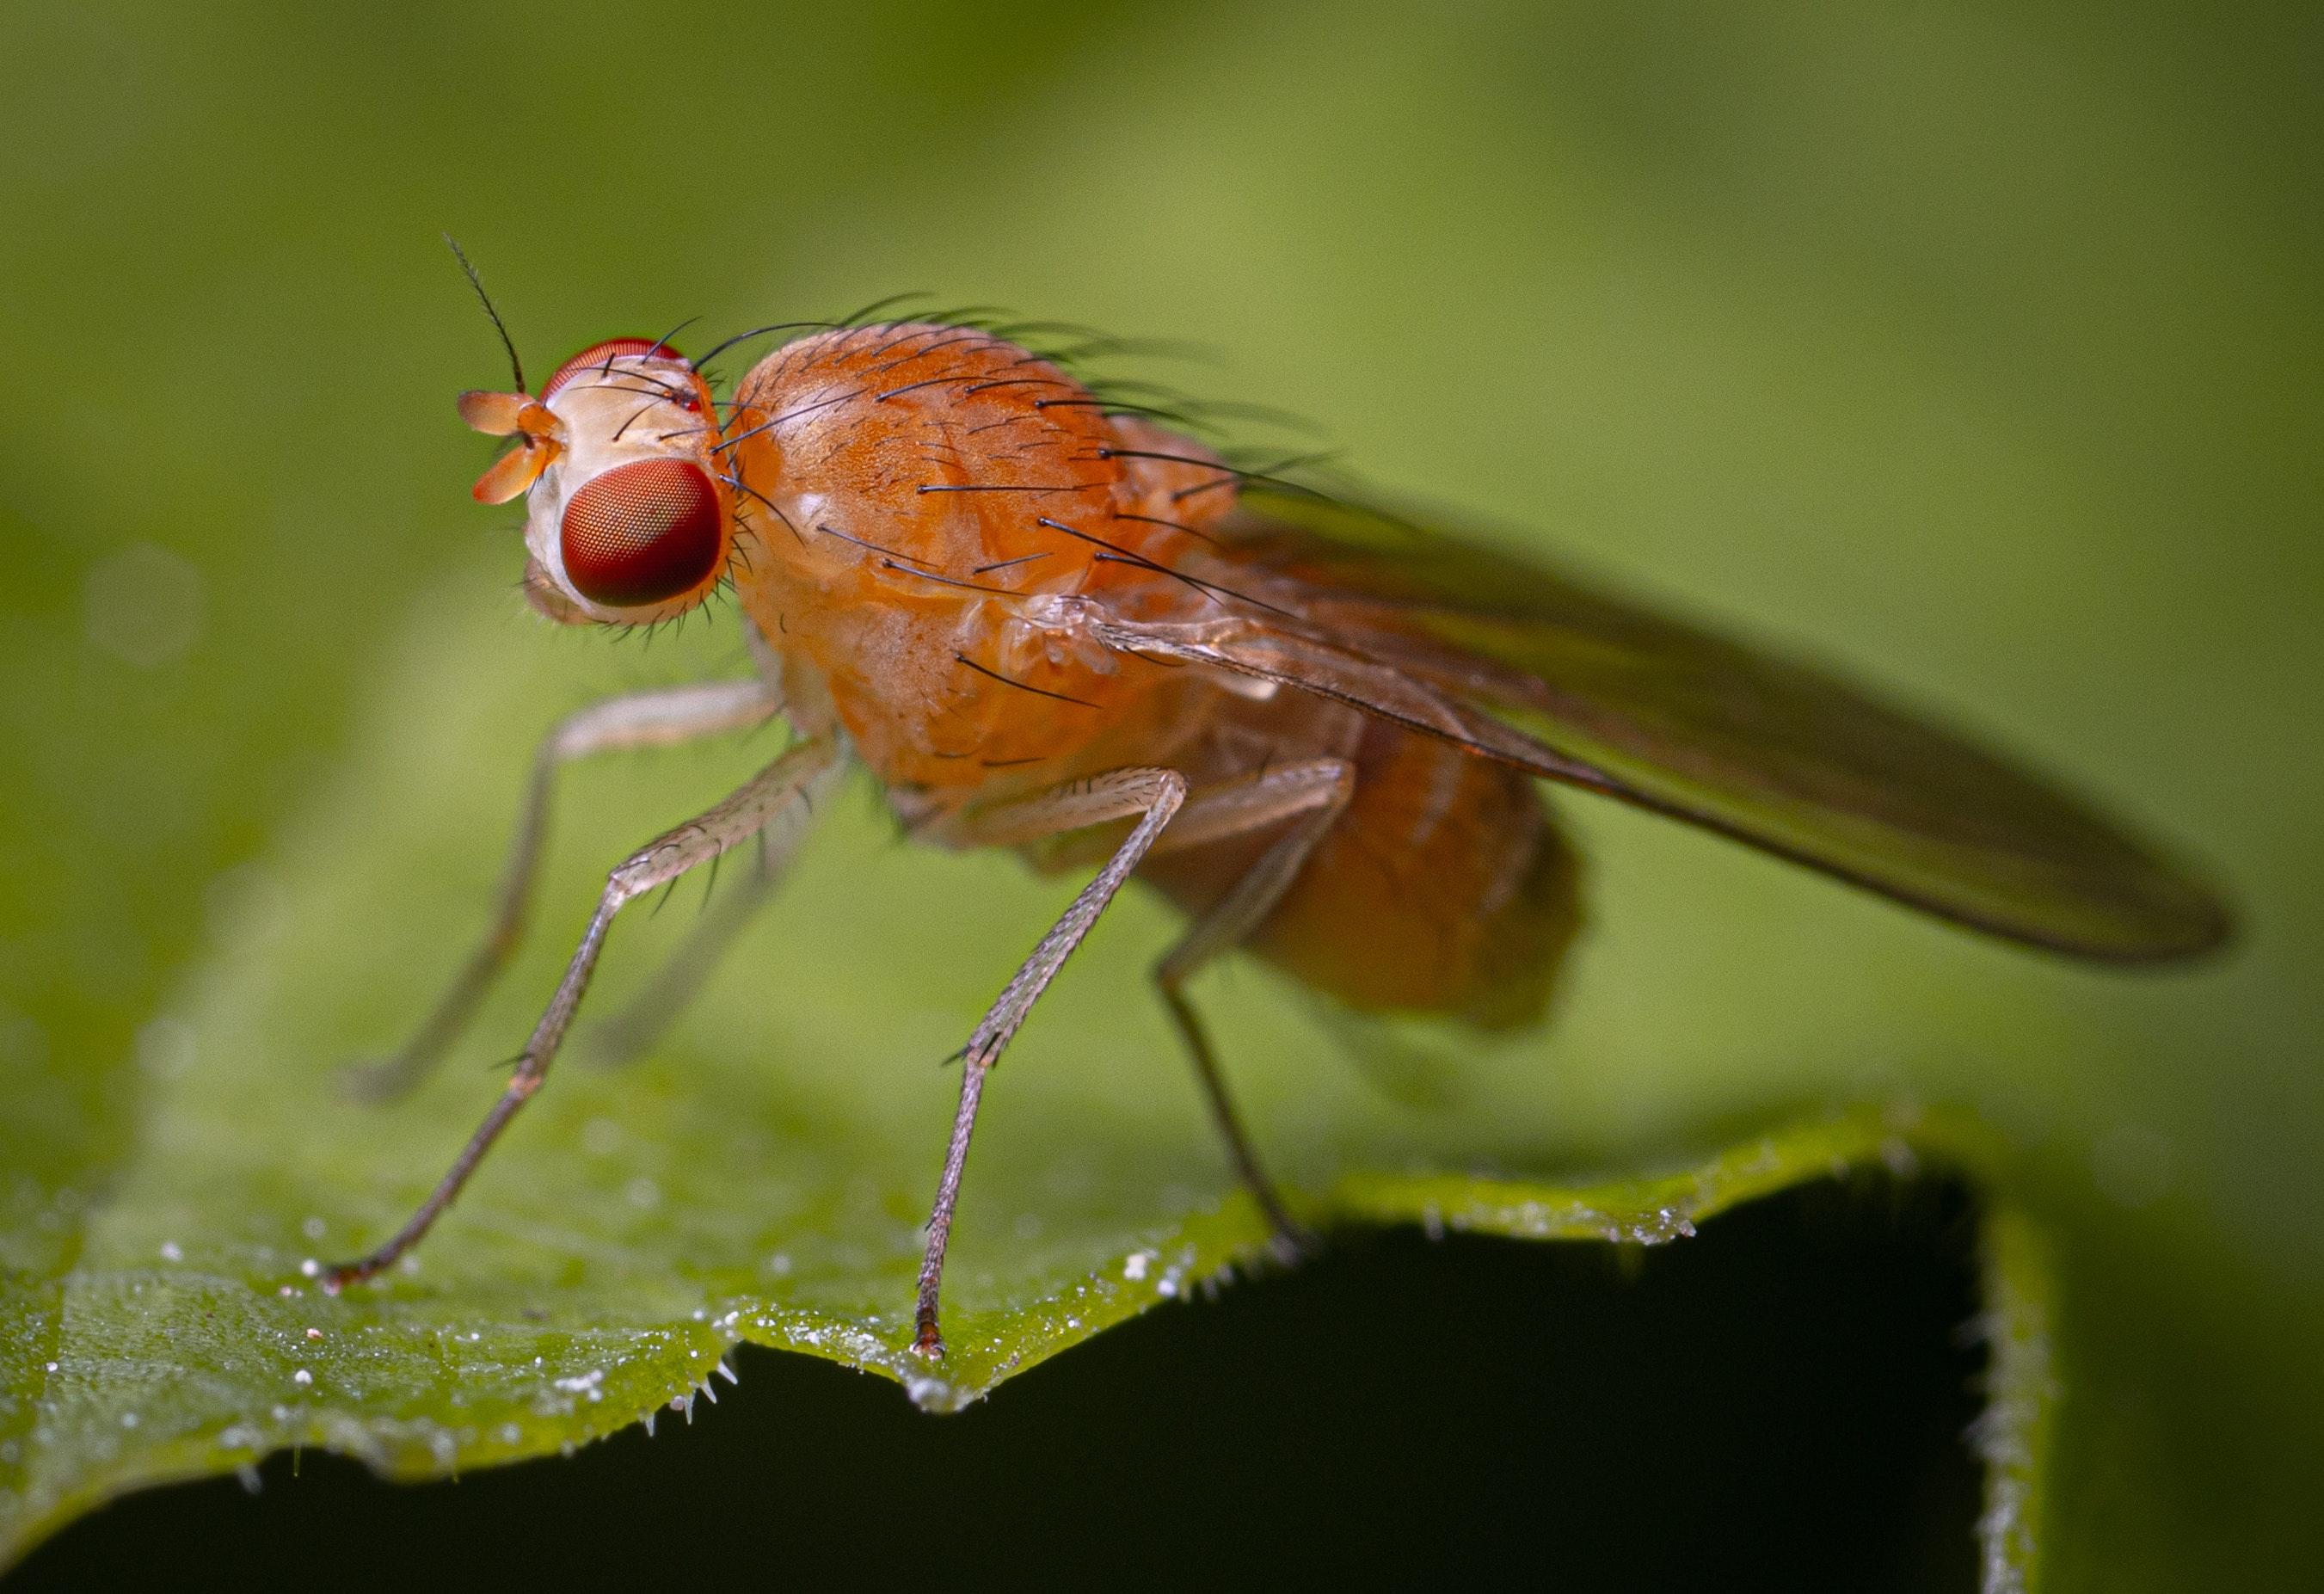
(636, 1028)
(759, 802)
(1318, 790)
(1316, 793)
(661, 718)
(1156, 794)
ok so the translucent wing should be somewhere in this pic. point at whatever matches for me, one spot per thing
(1464, 644)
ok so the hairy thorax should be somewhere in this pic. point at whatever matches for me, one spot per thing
(917, 501)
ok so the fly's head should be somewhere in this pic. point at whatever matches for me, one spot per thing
(627, 521)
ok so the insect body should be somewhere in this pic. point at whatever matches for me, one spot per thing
(1044, 623)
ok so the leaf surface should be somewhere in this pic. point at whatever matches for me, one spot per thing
(760, 1175)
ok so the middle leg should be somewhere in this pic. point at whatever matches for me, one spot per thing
(1312, 796)
(1152, 794)
(1312, 793)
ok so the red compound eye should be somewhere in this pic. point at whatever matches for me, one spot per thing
(641, 532)
(597, 355)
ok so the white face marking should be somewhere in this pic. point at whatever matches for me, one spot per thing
(593, 405)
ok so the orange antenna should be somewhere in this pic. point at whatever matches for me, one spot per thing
(516, 367)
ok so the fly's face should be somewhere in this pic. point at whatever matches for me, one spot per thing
(627, 519)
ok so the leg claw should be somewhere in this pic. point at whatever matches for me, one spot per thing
(1292, 1243)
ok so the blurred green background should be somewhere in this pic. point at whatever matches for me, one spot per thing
(1976, 346)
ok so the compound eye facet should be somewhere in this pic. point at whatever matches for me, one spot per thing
(641, 532)
(601, 356)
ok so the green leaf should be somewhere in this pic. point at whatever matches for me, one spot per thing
(1974, 353)
(762, 1176)
(2014, 1435)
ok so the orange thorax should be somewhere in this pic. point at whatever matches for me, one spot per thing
(911, 495)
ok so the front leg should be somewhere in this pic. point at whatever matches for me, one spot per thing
(756, 803)
(663, 718)
(634, 1029)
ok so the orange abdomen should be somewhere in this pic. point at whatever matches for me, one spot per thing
(1445, 887)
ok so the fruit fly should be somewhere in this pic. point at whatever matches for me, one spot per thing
(1045, 621)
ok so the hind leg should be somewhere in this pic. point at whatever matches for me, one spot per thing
(1314, 794)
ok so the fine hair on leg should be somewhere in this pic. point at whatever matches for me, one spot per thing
(646, 1017)
(662, 718)
(735, 820)
(1313, 795)
(1155, 794)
